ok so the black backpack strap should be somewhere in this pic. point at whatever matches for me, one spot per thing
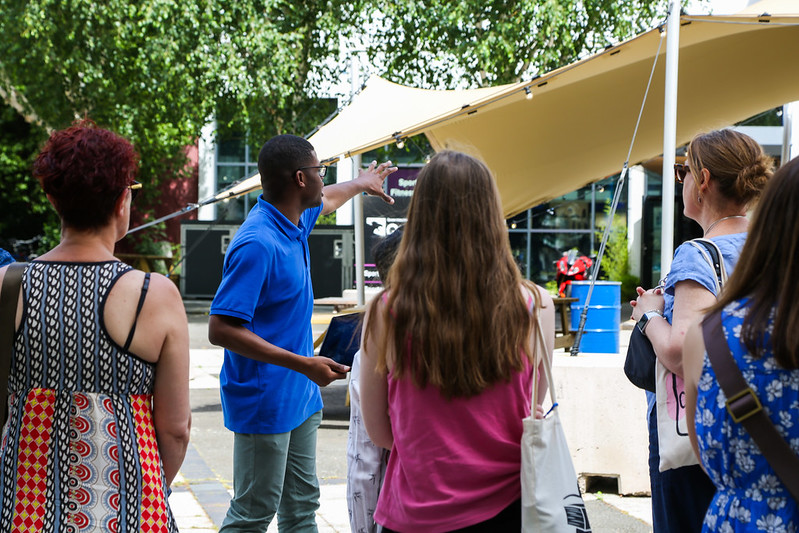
(145, 286)
(9, 298)
(712, 254)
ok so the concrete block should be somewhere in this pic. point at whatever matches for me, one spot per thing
(604, 418)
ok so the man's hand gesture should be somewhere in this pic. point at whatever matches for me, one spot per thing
(373, 178)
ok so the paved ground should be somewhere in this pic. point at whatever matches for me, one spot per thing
(202, 491)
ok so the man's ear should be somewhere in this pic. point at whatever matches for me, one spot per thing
(299, 179)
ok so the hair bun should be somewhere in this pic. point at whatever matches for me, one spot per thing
(753, 178)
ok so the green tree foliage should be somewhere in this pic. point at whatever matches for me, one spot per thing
(24, 210)
(486, 42)
(276, 63)
(157, 70)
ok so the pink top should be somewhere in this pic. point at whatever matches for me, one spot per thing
(455, 462)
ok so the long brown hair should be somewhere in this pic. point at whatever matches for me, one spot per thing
(768, 271)
(456, 317)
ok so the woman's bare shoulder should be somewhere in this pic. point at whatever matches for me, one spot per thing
(544, 298)
(162, 297)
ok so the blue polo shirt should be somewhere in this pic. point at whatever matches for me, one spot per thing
(266, 281)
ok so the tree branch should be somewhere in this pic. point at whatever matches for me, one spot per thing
(17, 101)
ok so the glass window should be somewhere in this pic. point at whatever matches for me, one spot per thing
(236, 209)
(232, 151)
(226, 175)
(519, 221)
(654, 183)
(568, 212)
(547, 248)
(519, 249)
(541, 235)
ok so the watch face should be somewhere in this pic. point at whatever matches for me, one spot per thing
(642, 322)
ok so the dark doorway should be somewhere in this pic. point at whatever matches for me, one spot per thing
(651, 225)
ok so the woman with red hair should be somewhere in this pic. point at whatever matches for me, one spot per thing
(98, 410)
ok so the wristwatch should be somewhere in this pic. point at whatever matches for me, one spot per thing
(644, 321)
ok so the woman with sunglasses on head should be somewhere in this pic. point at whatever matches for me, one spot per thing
(99, 416)
(723, 175)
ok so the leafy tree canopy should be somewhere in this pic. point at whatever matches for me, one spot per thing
(438, 43)
(157, 70)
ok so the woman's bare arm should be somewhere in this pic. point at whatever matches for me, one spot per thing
(171, 408)
(693, 355)
(547, 313)
(374, 384)
(690, 301)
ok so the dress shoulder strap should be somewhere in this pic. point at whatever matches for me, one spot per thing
(145, 286)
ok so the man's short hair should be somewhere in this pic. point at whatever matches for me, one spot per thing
(280, 156)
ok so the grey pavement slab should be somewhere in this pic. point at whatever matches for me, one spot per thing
(201, 495)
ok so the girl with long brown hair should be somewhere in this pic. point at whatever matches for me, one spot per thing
(448, 359)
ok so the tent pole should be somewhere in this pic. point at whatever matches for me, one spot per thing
(357, 204)
(788, 140)
(669, 137)
(357, 201)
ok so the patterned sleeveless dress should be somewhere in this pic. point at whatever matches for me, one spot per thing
(749, 496)
(79, 451)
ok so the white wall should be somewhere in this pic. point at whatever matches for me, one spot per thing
(206, 186)
(636, 187)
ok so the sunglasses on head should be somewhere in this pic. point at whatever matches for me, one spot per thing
(680, 171)
(134, 187)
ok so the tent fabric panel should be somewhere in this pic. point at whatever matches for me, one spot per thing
(384, 108)
(567, 137)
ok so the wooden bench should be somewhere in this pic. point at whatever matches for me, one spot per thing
(564, 338)
(337, 302)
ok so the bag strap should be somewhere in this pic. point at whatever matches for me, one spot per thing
(712, 254)
(144, 288)
(745, 408)
(8, 312)
(540, 356)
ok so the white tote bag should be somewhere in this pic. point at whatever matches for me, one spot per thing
(674, 445)
(551, 500)
(673, 442)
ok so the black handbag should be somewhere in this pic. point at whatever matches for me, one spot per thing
(639, 366)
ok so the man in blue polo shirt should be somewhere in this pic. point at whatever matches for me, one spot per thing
(261, 315)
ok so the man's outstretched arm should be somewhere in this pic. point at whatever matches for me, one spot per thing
(369, 180)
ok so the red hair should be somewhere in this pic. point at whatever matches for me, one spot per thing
(84, 169)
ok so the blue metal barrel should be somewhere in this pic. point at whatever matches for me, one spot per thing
(602, 325)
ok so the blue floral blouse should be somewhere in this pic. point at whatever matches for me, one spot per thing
(750, 496)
